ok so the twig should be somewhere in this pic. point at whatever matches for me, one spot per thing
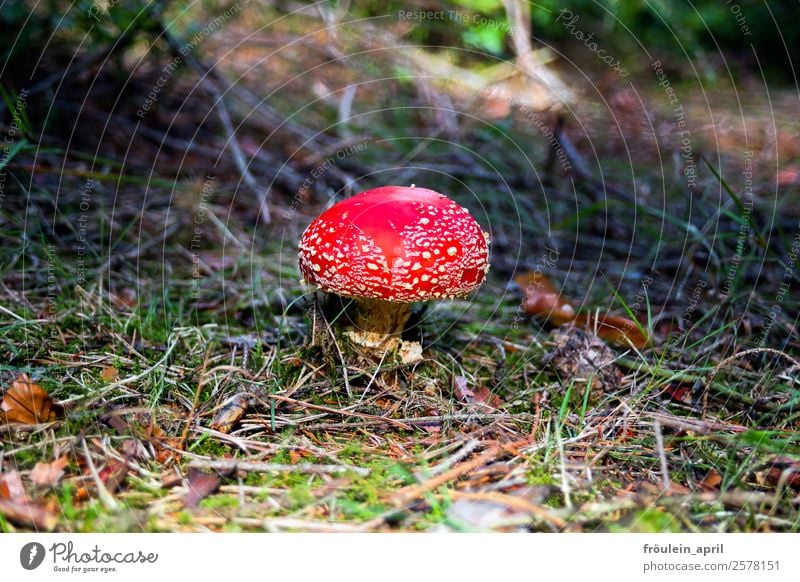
(129, 380)
(513, 502)
(253, 467)
(662, 456)
(337, 411)
(345, 105)
(697, 426)
(411, 422)
(193, 412)
(404, 496)
(102, 492)
(736, 356)
(461, 453)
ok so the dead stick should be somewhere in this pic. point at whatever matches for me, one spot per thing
(407, 494)
(336, 411)
(513, 502)
(254, 467)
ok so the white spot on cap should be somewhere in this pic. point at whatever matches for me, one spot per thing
(452, 251)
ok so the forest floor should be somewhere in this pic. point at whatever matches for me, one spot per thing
(191, 389)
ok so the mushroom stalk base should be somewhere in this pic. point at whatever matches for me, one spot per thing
(379, 323)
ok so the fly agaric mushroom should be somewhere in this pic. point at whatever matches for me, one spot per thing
(389, 247)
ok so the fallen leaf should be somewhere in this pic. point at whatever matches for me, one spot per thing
(171, 481)
(124, 298)
(231, 412)
(17, 508)
(486, 397)
(48, 474)
(114, 473)
(680, 393)
(25, 514)
(27, 403)
(135, 449)
(786, 470)
(11, 487)
(109, 374)
(200, 485)
(711, 481)
(461, 389)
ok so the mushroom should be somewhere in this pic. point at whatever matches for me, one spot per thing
(389, 247)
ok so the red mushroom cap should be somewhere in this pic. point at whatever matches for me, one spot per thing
(397, 244)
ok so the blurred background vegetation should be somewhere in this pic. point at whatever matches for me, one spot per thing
(703, 30)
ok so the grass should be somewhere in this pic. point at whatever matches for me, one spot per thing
(189, 360)
(191, 312)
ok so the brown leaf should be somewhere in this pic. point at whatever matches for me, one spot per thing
(124, 298)
(199, 486)
(25, 514)
(48, 474)
(11, 487)
(231, 412)
(109, 374)
(113, 475)
(680, 392)
(486, 397)
(461, 389)
(134, 449)
(27, 403)
(786, 469)
(711, 481)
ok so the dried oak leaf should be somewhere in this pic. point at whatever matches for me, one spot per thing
(49, 474)
(27, 403)
(580, 358)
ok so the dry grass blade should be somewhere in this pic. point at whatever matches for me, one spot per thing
(408, 494)
(256, 467)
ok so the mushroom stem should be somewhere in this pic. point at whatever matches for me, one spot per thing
(378, 323)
